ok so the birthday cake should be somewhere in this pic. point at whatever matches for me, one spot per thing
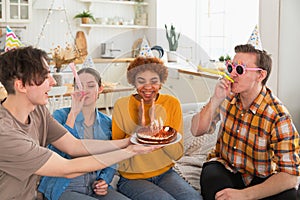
(150, 135)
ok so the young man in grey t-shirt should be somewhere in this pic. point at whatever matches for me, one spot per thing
(26, 128)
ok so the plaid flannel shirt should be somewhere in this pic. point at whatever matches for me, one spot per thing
(259, 141)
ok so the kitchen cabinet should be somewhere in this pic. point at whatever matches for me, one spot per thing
(15, 11)
(2, 10)
(131, 14)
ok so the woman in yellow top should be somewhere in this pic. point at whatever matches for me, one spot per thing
(150, 176)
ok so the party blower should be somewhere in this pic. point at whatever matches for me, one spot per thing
(213, 71)
(77, 80)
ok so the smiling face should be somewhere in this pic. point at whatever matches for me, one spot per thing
(148, 85)
(38, 94)
(250, 80)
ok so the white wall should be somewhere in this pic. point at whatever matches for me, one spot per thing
(183, 15)
(289, 69)
(56, 31)
(269, 12)
(280, 33)
(223, 24)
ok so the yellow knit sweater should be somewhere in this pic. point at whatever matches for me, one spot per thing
(124, 123)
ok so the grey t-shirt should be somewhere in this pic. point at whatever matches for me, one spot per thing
(23, 152)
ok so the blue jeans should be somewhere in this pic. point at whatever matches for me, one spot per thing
(80, 188)
(168, 185)
(112, 194)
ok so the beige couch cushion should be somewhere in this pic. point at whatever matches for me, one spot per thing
(196, 149)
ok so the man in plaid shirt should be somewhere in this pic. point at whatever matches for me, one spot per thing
(257, 152)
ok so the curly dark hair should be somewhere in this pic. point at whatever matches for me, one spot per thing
(142, 64)
(263, 59)
(26, 64)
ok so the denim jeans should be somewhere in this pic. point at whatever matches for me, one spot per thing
(111, 195)
(80, 188)
(168, 185)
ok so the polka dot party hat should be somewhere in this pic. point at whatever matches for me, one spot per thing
(145, 49)
(255, 39)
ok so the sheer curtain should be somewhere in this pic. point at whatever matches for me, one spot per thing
(223, 24)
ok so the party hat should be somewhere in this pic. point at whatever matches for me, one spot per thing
(88, 62)
(255, 39)
(12, 41)
(145, 49)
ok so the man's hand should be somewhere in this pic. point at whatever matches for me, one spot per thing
(222, 90)
(231, 194)
(100, 187)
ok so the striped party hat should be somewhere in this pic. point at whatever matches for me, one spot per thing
(12, 41)
(255, 39)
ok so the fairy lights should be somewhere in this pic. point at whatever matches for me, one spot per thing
(41, 35)
(47, 22)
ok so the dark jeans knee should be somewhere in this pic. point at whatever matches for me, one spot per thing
(214, 177)
(290, 194)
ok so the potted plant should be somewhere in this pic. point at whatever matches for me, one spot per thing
(224, 58)
(221, 64)
(172, 38)
(221, 59)
(227, 58)
(85, 16)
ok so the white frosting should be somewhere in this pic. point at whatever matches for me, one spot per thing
(155, 135)
(155, 142)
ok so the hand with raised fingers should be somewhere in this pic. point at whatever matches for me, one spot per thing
(142, 120)
(152, 112)
(78, 98)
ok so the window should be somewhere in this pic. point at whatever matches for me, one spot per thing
(223, 24)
